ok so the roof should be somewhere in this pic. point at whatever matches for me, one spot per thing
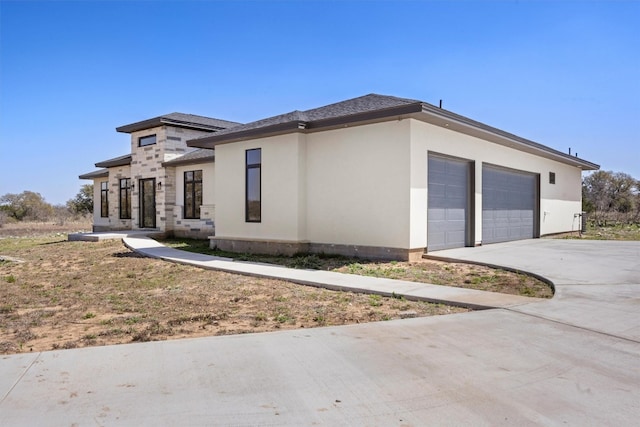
(351, 108)
(102, 173)
(191, 121)
(193, 157)
(116, 161)
(376, 108)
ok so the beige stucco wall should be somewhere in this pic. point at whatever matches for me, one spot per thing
(358, 185)
(367, 185)
(558, 203)
(347, 186)
(283, 189)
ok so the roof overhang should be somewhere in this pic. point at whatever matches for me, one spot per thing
(102, 173)
(189, 161)
(439, 117)
(117, 161)
(211, 141)
(420, 111)
(161, 121)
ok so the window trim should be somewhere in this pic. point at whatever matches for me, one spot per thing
(125, 211)
(249, 167)
(194, 205)
(552, 178)
(104, 199)
(140, 139)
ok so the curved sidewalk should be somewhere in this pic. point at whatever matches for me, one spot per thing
(462, 297)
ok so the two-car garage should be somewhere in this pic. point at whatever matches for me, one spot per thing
(510, 203)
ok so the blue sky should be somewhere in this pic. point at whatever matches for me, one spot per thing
(565, 74)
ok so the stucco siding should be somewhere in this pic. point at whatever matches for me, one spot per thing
(558, 202)
(358, 185)
(282, 189)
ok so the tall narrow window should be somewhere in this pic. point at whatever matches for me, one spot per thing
(104, 199)
(192, 194)
(125, 198)
(253, 210)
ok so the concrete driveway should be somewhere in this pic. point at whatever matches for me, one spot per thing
(574, 360)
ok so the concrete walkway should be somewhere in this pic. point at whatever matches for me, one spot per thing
(330, 280)
(562, 362)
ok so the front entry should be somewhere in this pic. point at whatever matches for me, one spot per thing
(148, 203)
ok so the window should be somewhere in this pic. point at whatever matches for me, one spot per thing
(104, 199)
(125, 198)
(552, 177)
(146, 140)
(253, 185)
(192, 194)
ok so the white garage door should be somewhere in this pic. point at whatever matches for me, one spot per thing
(447, 203)
(509, 205)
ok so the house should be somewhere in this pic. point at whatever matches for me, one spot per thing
(160, 184)
(375, 176)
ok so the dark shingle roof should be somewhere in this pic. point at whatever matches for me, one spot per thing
(372, 108)
(351, 107)
(363, 104)
(191, 121)
(198, 156)
(102, 173)
(116, 161)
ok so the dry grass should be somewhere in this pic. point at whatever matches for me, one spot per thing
(424, 271)
(619, 231)
(77, 294)
(26, 229)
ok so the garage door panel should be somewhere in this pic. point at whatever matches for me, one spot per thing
(509, 200)
(447, 203)
(456, 215)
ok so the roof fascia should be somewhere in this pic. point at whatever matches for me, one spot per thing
(262, 132)
(305, 127)
(95, 174)
(449, 120)
(118, 161)
(419, 110)
(178, 162)
(160, 121)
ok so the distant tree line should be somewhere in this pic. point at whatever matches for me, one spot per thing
(31, 206)
(611, 197)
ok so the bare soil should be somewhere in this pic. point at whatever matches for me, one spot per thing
(56, 294)
(77, 294)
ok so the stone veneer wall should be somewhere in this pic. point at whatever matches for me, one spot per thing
(146, 162)
(202, 228)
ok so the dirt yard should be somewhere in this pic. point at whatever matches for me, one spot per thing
(56, 294)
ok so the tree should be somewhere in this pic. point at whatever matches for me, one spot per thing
(606, 192)
(82, 204)
(26, 206)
